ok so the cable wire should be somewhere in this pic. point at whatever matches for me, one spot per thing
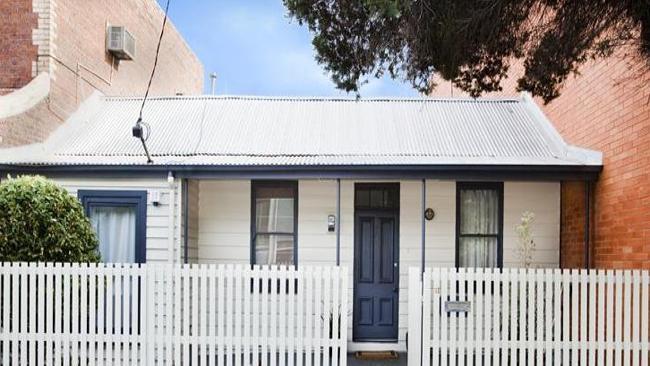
(144, 138)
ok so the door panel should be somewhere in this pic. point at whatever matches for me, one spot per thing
(366, 310)
(386, 251)
(367, 250)
(376, 276)
(386, 307)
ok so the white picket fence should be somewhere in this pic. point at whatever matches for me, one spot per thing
(68, 314)
(528, 317)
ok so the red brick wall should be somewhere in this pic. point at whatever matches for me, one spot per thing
(606, 108)
(17, 51)
(76, 59)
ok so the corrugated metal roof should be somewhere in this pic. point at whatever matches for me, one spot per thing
(234, 130)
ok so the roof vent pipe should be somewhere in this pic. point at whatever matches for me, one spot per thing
(213, 82)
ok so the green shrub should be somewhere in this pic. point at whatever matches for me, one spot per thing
(40, 221)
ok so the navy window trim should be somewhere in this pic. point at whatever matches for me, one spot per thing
(275, 184)
(497, 186)
(113, 198)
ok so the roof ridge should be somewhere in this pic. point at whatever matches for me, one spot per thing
(317, 98)
(260, 155)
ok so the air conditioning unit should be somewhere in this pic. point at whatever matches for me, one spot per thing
(120, 43)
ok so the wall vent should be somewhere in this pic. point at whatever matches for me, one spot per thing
(120, 43)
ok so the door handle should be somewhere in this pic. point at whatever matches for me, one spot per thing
(395, 289)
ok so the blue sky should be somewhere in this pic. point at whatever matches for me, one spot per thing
(257, 50)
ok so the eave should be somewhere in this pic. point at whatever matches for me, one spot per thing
(447, 171)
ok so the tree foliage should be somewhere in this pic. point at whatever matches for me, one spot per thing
(471, 43)
(40, 221)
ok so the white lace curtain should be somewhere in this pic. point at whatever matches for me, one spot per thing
(479, 228)
(115, 228)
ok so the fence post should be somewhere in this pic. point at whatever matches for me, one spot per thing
(147, 312)
(343, 327)
(414, 318)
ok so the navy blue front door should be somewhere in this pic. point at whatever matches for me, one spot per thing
(376, 275)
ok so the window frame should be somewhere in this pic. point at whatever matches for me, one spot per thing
(497, 186)
(121, 198)
(389, 187)
(255, 184)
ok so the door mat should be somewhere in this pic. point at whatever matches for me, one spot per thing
(376, 355)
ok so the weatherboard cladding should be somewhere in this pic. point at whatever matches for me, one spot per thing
(222, 130)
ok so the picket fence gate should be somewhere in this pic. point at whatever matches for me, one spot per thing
(528, 317)
(151, 314)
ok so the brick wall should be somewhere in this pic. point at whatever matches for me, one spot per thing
(606, 108)
(17, 51)
(70, 37)
(611, 113)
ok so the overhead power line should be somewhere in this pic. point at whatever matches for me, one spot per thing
(137, 129)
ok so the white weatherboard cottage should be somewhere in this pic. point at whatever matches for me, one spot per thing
(317, 181)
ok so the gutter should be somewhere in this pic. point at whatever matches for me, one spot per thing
(446, 171)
